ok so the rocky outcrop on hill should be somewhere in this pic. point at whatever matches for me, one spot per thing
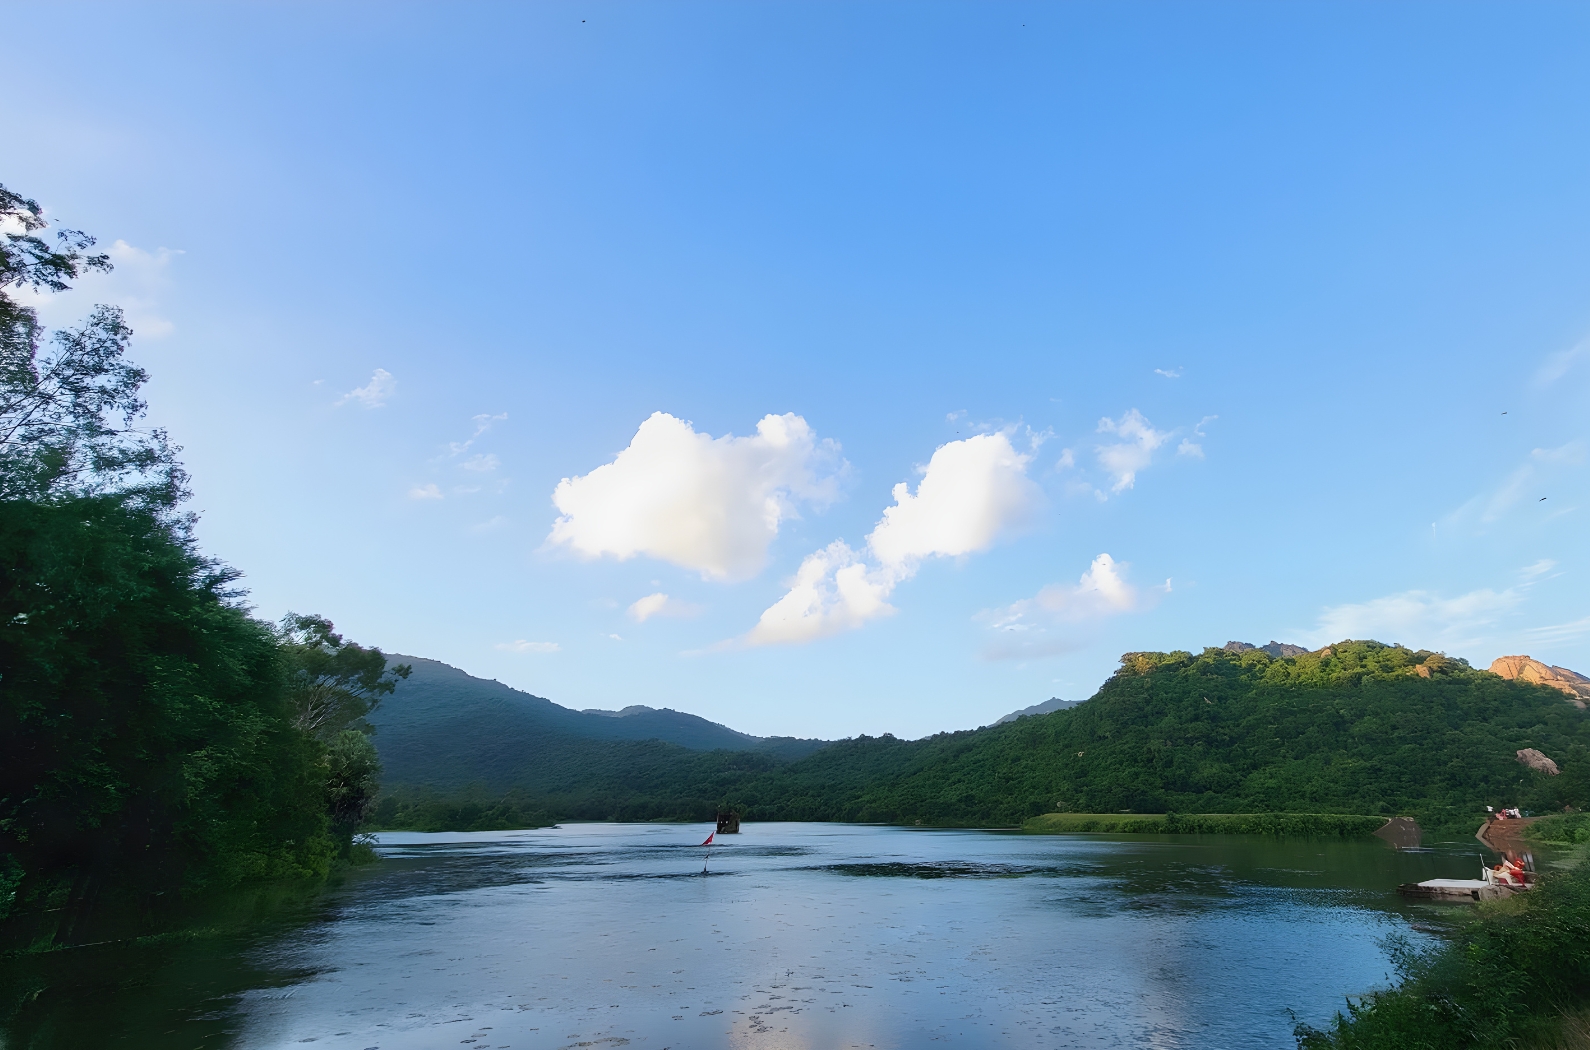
(1537, 760)
(1523, 669)
(1276, 649)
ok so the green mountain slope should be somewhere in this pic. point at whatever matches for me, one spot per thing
(445, 729)
(1358, 728)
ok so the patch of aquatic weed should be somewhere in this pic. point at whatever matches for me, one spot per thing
(937, 870)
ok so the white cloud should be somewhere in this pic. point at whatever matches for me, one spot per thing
(425, 492)
(1539, 569)
(972, 491)
(1101, 591)
(491, 524)
(1134, 453)
(1561, 363)
(483, 422)
(1527, 483)
(710, 505)
(1046, 624)
(481, 463)
(1067, 460)
(1189, 447)
(135, 283)
(1556, 634)
(522, 646)
(1418, 619)
(1169, 373)
(373, 394)
(660, 604)
(832, 591)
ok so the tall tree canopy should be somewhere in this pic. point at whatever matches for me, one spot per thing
(68, 411)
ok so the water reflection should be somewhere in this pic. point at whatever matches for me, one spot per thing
(801, 935)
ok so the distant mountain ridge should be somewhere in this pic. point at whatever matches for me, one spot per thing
(1054, 703)
(443, 726)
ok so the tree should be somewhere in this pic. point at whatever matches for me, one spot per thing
(332, 683)
(67, 414)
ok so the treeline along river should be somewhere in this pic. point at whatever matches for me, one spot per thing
(605, 935)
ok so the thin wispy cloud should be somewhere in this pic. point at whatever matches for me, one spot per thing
(1561, 363)
(374, 394)
(1169, 373)
(1123, 459)
(423, 492)
(1431, 620)
(1539, 475)
(483, 422)
(1060, 617)
(660, 604)
(522, 646)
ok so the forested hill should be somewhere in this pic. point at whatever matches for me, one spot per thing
(1356, 728)
(1359, 727)
(445, 728)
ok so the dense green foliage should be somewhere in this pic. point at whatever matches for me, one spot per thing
(1505, 980)
(1305, 825)
(1360, 728)
(154, 739)
(1564, 829)
(145, 743)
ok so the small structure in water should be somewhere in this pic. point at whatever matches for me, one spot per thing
(728, 822)
(1495, 883)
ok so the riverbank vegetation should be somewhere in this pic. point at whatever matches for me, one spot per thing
(1517, 976)
(156, 741)
(1302, 825)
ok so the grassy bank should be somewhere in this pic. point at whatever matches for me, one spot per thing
(1564, 829)
(1328, 825)
(1517, 976)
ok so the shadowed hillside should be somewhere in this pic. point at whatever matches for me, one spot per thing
(445, 729)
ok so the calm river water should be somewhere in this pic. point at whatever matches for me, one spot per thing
(801, 935)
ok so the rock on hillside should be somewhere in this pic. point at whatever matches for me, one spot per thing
(1277, 650)
(1523, 669)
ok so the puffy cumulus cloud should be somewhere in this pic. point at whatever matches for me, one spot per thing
(833, 591)
(519, 645)
(373, 394)
(1134, 452)
(1043, 625)
(659, 604)
(971, 491)
(708, 504)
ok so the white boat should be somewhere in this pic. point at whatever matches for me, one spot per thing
(1494, 883)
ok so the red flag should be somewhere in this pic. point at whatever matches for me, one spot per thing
(709, 839)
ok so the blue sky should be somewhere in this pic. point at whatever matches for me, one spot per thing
(1180, 323)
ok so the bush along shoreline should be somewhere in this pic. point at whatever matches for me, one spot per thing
(1302, 825)
(1516, 977)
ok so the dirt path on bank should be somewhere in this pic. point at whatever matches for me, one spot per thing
(1505, 836)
